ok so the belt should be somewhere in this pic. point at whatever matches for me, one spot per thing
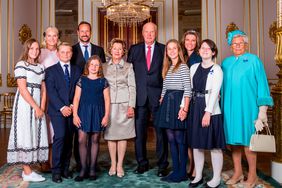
(199, 93)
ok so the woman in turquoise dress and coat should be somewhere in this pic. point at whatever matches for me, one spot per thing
(245, 99)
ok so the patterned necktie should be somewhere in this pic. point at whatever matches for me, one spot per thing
(67, 75)
(148, 57)
(86, 54)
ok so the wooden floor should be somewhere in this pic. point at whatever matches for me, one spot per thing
(264, 160)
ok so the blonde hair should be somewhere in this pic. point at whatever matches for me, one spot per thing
(50, 28)
(167, 61)
(64, 44)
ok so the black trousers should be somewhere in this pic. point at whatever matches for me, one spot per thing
(141, 126)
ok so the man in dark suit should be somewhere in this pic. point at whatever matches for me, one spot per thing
(61, 80)
(81, 52)
(147, 58)
(84, 48)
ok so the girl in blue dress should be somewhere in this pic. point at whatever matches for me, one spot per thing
(91, 108)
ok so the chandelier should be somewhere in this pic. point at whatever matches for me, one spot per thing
(127, 12)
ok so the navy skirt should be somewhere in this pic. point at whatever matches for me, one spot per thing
(168, 111)
(211, 137)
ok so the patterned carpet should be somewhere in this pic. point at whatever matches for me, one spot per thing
(10, 176)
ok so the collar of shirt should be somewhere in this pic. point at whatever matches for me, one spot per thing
(120, 64)
(83, 48)
(63, 67)
(152, 49)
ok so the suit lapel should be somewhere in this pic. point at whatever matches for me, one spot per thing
(92, 49)
(79, 52)
(155, 56)
(61, 73)
(143, 55)
(72, 75)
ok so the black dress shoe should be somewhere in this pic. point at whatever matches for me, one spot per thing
(207, 186)
(141, 169)
(162, 172)
(67, 175)
(56, 178)
(79, 178)
(196, 184)
(92, 177)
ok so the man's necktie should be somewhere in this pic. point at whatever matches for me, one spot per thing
(86, 54)
(67, 75)
(148, 57)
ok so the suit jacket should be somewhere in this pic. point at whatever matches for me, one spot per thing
(78, 58)
(148, 83)
(213, 86)
(59, 94)
(122, 82)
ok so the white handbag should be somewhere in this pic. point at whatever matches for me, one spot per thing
(263, 142)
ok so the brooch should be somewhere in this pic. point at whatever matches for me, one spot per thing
(211, 72)
(245, 60)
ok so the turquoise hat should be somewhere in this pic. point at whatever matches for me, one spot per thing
(232, 34)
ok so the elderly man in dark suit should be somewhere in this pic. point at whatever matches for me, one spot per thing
(81, 52)
(61, 80)
(147, 59)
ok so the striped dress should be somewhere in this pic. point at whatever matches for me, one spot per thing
(176, 85)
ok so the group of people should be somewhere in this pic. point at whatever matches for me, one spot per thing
(194, 104)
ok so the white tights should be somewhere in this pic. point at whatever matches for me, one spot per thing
(217, 162)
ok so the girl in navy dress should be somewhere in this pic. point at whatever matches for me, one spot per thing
(172, 117)
(205, 117)
(91, 109)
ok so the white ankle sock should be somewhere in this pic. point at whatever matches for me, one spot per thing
(199, 159)
(217, 162)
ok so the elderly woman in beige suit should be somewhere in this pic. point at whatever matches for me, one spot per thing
(120, 76)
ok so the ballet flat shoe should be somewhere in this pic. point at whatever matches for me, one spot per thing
(233, 182)
(112, 173)
(120, 174)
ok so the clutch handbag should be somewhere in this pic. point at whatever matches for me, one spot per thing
(263, 142)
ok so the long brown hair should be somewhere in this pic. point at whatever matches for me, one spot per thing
(182, 43)
(100, 71)
(167, 61)
(26, 47)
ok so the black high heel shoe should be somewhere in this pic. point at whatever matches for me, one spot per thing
(79, 178)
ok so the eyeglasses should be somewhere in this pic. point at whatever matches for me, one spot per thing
(238, 44)
(205, 49)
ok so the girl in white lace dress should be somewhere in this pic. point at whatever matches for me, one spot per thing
(28, 141)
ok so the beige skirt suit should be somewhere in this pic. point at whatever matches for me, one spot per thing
(123, 95)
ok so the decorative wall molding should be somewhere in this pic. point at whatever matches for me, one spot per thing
(24, 33)
(272, 32)
(11, 81)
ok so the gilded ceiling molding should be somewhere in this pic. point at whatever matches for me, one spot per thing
(230, 27)
(11, 81)
(272, 32)
(24, 33)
